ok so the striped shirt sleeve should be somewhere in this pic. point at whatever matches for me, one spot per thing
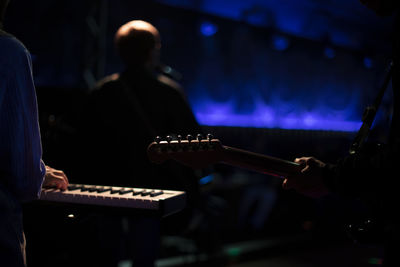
(21, 166)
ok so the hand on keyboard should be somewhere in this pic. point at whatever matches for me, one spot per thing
(55, 178)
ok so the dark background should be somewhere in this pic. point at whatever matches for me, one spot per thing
(284, 78)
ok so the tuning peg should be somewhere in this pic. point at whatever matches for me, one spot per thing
(210, 137)
(199, 137)
(168, 138)
(189, 138)
(179, 137)
(157, 139)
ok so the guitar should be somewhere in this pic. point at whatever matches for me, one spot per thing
(200, 153)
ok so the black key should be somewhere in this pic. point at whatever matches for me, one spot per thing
(74, 187)
(146, 192)
(125, 191)
(114, 191)
(103, 189)
(92, 189)
(156, 193)
(86, 188)
(138, 192)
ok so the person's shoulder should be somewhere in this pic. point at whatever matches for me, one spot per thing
(13, 53)
(11, 46)
(169, 83)
(105, 84)
(108, 80)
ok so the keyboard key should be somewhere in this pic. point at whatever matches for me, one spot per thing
(103, 189)
(74, 187)
(125, 191)
(137, 192)
(114, 191)
(92, 189)
(155, 193)
(85, 188)
(146, 192)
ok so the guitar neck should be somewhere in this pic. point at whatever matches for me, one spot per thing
(202, 153)
(258, 162)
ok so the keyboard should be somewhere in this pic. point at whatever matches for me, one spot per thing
(162, 202)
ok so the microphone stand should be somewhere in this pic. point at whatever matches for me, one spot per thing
(368, 231)
(369, 115)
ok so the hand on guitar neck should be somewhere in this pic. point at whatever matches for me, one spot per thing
(309, 181)
(303, 175)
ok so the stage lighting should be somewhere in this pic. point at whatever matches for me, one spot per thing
(368, 62)
(280, 43)
(208, 28)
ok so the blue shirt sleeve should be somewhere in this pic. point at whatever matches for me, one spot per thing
(21, 166)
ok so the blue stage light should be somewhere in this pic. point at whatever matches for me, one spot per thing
(280, 43)
(268, 116)
(208, 28)
(368, 63)
(206, 180)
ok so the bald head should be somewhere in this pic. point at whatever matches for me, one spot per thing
(137, 43)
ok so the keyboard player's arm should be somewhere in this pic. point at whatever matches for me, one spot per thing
(55, 178)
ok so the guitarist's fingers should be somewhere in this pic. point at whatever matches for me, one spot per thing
(306, 169)
(287, 184)
(302, 161)
(308, 164)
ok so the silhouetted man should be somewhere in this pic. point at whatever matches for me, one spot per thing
(123, 115)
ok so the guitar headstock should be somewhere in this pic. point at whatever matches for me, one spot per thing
(195, 153)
